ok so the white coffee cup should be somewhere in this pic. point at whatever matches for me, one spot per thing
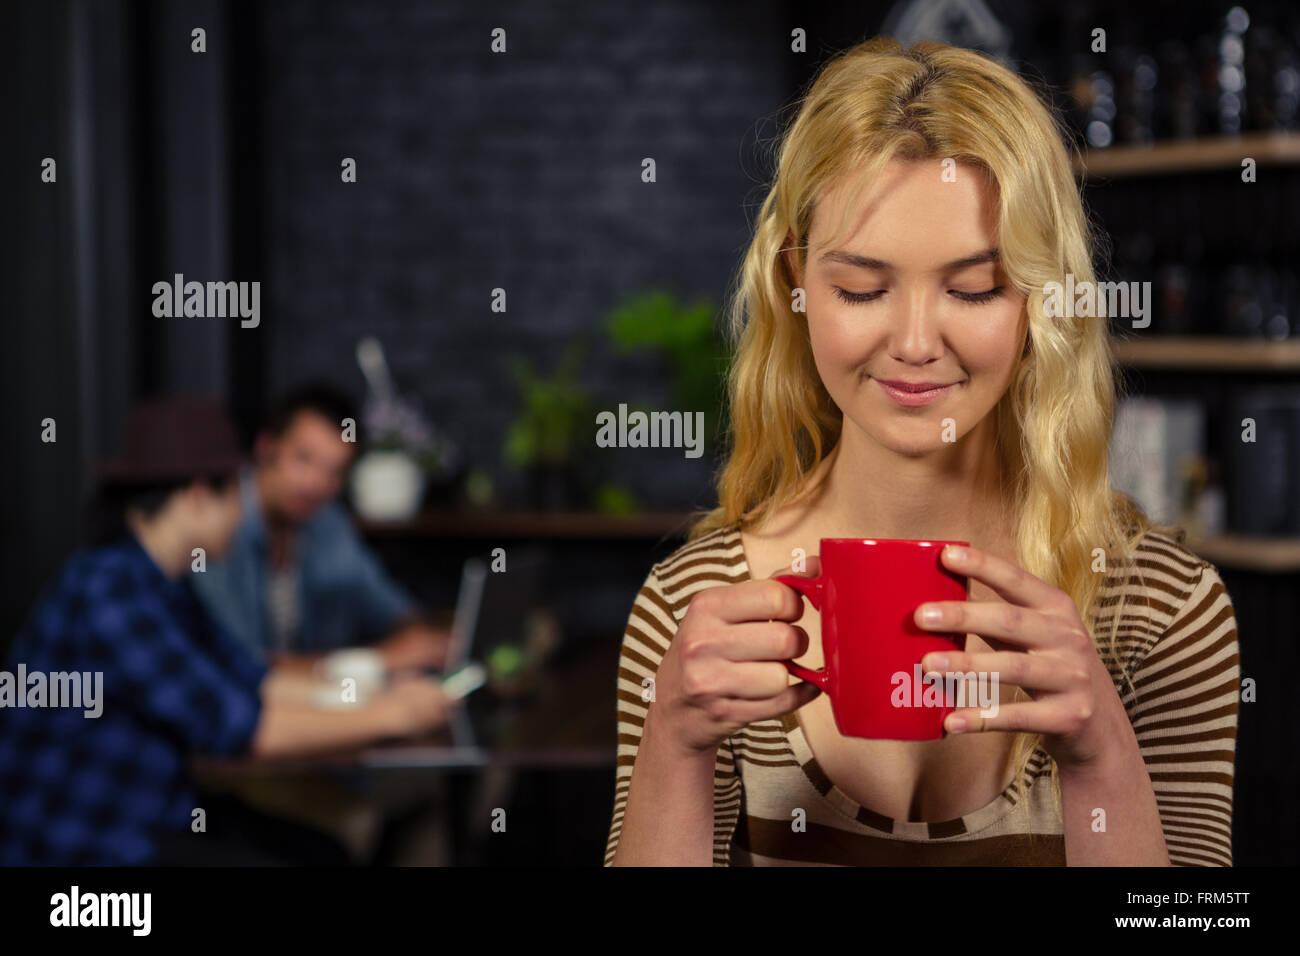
(362, 666)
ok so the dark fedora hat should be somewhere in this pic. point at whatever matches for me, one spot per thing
(176, 438)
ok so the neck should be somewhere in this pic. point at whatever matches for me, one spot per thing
(279, 532)
(160, 541)
(265, 492)
(955, 493)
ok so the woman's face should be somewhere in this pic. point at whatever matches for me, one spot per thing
(911, 318)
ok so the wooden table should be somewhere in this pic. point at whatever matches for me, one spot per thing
(567, 722)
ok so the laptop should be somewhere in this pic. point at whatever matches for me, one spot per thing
(492, 610)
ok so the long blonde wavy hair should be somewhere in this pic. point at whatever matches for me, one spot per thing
(868, 104)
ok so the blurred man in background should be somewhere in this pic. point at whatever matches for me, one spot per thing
(299, 581)
(104, 779)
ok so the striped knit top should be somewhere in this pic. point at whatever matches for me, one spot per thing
(1178, 680)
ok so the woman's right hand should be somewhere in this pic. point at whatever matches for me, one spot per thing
(723, 669)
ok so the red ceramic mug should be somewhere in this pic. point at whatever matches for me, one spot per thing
(867, 593)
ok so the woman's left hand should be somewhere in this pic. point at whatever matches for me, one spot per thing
(1050, 656)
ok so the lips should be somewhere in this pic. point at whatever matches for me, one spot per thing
(917, 386)
(916, 394)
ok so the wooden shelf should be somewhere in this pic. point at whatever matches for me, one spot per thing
(1274, 555)
(1179, 352)
(532, 524)
(1187, 156)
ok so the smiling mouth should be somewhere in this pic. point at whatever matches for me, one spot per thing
(916, 386)
(915, 394)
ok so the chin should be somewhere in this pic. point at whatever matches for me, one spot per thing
(301, 513)
(913, 440)
(914, 449)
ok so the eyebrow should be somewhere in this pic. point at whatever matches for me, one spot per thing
(867, 262)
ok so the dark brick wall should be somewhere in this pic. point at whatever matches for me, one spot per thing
(518, 170)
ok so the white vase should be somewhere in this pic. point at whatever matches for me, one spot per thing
(387, 486)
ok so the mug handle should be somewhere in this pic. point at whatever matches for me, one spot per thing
(811, 588)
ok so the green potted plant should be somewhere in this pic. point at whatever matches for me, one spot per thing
(555, 412)
(686, 333)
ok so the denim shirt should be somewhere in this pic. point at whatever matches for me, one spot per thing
(344, 596)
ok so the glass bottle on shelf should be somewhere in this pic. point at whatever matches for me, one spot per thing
(1260, 57)
(1285, 77)
(1080, 95)
(1099, 129)
(1138, 110)
(1178, 103)
(1243, 313)
(1231, 77)
(1173, 302)
(1277, 321)
(1171, 307)
(1207, 75)
(1196, 271)
(1290, 298)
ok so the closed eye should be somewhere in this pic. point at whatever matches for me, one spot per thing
(977, 297)
(974, 298)
(848, 296)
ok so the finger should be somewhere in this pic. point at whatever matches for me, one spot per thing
(1035, 717)
(762, 641)
(761, 600)
(1016, 625)
(790, 699)
(751, 680)
(1007, 580)
(1040, 672)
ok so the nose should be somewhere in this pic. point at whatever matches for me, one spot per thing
(915, 336)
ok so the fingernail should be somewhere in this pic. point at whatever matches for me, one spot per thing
(956, 725)
(935, 662)
(931, 615)
(956, 553)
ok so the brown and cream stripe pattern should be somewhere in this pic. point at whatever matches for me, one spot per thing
(1179, 684)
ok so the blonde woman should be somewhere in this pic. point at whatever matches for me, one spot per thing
(894, 287)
